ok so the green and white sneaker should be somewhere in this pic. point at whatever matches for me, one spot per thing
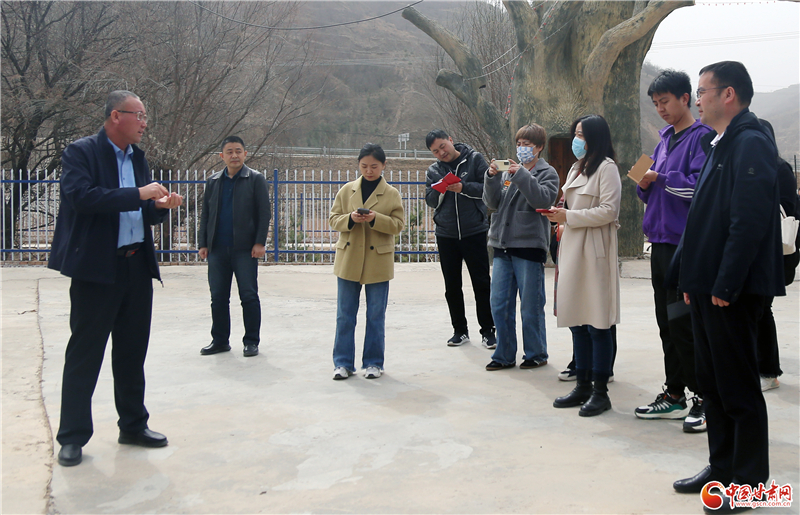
(664, 407)
(695, 421)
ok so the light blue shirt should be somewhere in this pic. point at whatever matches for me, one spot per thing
(131, 223)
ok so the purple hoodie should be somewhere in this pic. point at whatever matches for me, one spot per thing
(668, 198)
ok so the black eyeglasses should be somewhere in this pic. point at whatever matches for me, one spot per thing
(140, 115)
(701, 91)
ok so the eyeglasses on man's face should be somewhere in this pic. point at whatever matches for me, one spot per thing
(140, 115)
(702, 91)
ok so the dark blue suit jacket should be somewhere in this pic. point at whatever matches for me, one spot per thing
(732, 241)
(85, 240)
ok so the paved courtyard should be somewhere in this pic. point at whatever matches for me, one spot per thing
(274, 434)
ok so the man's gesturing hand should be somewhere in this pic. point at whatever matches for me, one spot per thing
(153, 191)
(170, 201)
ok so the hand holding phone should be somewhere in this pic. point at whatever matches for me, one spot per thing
(361, 215)
(547, 211)
(502, 165)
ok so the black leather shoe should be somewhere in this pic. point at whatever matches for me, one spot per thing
(250, 350)
(695, 484)
(70, 455)
(597, 403)
(214, 349)
(144, 438)
(576, 397)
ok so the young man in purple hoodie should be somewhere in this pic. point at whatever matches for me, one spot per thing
(667, 190)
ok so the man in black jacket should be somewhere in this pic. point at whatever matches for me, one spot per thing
(104, 243)
(233, 236)
(461, 228)
(730, 262)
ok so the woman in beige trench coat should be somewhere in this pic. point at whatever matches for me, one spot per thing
(588, 277)
(368, 214)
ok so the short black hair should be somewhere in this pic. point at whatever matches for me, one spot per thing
(597, 135)
(671, 81)
(116, 99)
(371, 149)
(732, 74)
(231, 139)
(433, 136)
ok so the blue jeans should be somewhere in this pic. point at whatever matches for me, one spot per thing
(344, 347)
(223, 263)
(593, 350)
(511, 274)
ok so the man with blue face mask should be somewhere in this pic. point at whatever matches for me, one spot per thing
(461, 228)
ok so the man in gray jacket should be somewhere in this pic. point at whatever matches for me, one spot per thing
(233, 236)
(461, 226)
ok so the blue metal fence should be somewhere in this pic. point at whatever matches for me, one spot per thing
(299, 232)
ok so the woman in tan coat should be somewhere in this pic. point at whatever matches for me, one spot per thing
(588, 280)
(368, 214)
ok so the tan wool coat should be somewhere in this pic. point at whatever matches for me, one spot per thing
(365, 253)
(588, 268)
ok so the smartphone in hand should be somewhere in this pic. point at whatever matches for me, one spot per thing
(502, 165)
(362, 211)
(546, 211)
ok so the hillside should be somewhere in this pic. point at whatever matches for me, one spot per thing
(375, 73)
(377, 76)
(782, 109)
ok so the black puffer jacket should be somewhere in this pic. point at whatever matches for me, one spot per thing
(459, 215)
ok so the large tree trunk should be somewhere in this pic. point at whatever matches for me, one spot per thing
(575, 58)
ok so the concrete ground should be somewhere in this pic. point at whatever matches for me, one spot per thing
(436, 434)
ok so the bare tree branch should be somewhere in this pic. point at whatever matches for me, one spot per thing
(524, 19)
(612, 42)
(467, 85)
(465, 60)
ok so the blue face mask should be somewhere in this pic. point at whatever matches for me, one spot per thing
(578, 147)
(525, 154)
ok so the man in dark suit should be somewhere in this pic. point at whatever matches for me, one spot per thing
(730, 263)
(104, 243)
(233, 236)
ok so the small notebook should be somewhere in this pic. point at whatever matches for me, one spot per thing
(640, 168)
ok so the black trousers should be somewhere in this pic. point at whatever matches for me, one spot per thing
(677, 341)
(769, 362)
(123, 310)
(727, 374)
(472, 250)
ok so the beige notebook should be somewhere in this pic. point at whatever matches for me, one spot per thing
(640, 168)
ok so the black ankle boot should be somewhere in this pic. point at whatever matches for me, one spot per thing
(599, 401)
(579, 395)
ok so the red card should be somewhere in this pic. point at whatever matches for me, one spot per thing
(446, 181)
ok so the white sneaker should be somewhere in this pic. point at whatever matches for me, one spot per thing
(341, 373)
(769, 383)
(372, 373)
(568, 374)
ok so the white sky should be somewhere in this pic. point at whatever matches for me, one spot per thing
(763, 35)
